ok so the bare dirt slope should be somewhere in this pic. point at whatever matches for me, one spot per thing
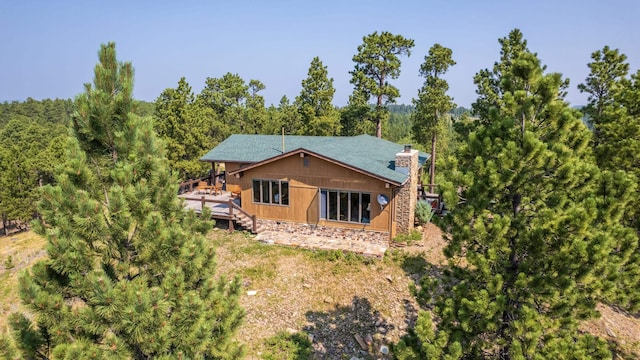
(335, 300)
(328, 296)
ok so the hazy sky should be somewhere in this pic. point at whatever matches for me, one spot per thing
(49, 48)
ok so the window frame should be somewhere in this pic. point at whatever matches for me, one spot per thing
(269, 185)
(331, 198)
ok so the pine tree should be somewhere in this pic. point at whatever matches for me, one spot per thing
(608, 69)
(433, 102)
(188, 128)
(128, 274)
(537, 227)
(615, 115)
(378, 61)
(314, 103)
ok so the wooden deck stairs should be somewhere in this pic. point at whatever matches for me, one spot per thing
(247, 223)
(224, 207)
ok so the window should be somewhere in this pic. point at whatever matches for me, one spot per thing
(349, 206)
(271, 192)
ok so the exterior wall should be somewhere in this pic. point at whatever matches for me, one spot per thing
(406, 198)
(304, 192)
(230, 179)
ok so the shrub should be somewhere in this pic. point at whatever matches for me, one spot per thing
(285, 346)
(424, 212)
(8, 263)
(414, 235)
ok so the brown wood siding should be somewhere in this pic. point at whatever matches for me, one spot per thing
(304, 195)
(231, 179)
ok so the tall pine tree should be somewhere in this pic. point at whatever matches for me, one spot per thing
(615, 115)
(433, 102)
(537, 230)
(377, 62)
(319, 117)
(128, 274)
(188, 128)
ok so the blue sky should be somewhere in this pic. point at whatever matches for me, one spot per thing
(49, 48)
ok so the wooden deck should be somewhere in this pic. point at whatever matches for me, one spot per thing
(223, 207)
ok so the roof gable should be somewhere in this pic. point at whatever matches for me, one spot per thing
(363, 153)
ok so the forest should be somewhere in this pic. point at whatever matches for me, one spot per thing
(543, 218)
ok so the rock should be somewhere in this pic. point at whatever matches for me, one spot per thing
(384, 350)
(251, 292)
(306, 286)
(368, 339)
(311, 337)
(291, 331)
(361, 342)
(382, 330)
(328, 299)
(388, 277)
(379, 322)
(610, 332)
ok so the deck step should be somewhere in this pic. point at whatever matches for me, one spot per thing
(247, 223)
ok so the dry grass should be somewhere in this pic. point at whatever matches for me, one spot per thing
(17, 252)
(328, 295)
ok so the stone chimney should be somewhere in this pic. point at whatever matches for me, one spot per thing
(406, 198)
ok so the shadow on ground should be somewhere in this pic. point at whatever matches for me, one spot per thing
(335, 333)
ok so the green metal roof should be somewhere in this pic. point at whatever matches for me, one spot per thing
(368, 153)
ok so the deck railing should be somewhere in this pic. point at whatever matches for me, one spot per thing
(189, 185)
(232, 206)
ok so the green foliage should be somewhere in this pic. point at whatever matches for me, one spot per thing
(128, 273)
(262, 271)
(8, 262)
(290, 118)
(409, 238)
(188, 128)
(540, 236)
(433, 102)
(45, 112)
(615, 115)
(608, 69)
(237, 104)
(319, 117)
(29, 153)
(339, 256)
(354, 118)
(377, 61)
(424, 212)
(285, 346)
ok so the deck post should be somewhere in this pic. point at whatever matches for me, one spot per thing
(255, 223)
(202, 204)
(231, 215)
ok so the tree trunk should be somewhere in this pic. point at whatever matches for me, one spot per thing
(379, 108)
(4, 224)
(513, 304)
(432, 169)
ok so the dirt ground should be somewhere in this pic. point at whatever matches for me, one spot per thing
(333, 299)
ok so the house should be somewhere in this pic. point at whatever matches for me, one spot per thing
(356, 184)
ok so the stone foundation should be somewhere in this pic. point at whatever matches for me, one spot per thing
(373, 237)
